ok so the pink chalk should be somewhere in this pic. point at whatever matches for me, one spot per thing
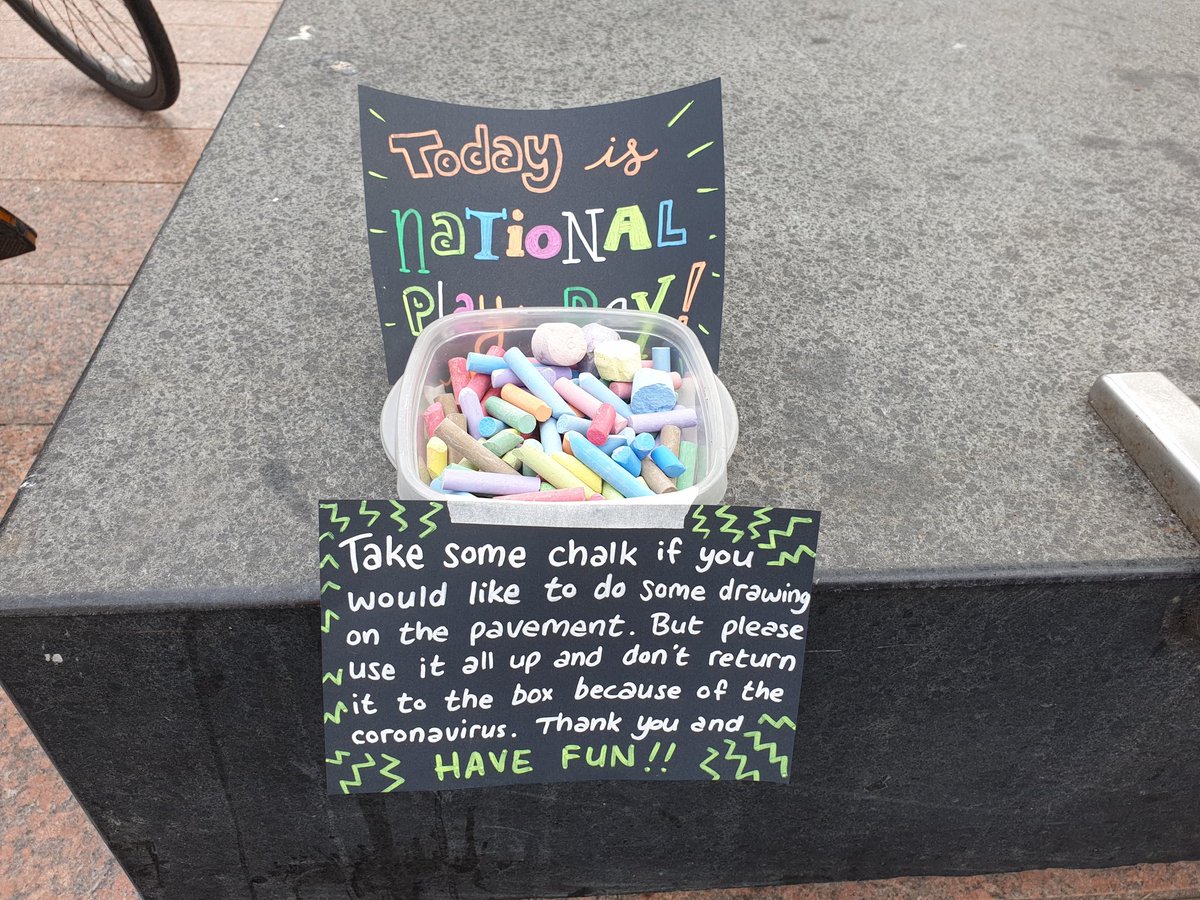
(624, 389)
(560, 495)
(458, 375)
(433, 418)
(585, 403)
(602, 424)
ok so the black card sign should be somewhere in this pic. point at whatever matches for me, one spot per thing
(621, 205)
(461, 656)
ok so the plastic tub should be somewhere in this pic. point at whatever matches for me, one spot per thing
(402, 428)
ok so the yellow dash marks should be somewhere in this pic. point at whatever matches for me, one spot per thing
(716, 274)
(374, 174)
(700, 148)
(703, 329)
(376, 231)
(706, 190)
(686, 107)
(377, 115)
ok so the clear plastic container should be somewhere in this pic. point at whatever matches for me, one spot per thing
(402, 428)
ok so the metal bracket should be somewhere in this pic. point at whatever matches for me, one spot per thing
(1159, 426)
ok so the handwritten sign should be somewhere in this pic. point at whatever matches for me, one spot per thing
(463, 656)
(621, 205)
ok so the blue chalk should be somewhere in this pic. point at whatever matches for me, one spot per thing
(601, 392)
(612, 444)
(484, 364)
(661, 357)
(535, 383)
(548, 432)
(628, 460)
(490, 427)
(643, 444)
(653, 398)
(436, 484)
(628, 433)
(667, 461)
(572, 423)
(592, 457)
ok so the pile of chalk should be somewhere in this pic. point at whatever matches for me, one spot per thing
(582, 417)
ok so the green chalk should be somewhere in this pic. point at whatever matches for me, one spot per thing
(608, 492)
(504, 442)
(687, 456)
(510, 415)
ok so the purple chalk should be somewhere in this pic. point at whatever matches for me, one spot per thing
(680, 415)
(468, 401)
(488, 482)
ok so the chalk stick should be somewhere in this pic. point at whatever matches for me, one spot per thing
(522, 399)
(433, 415)
(512, 459)
(628, 460)
(511, 415)
(489, 427)
(459, 421)
(656, 478)
(448, 402)
(642, 445)
(671, 436)
(687, 456)
(597, 389)
(680, 415)
(469, 401)
(661, 358)
(558, 343)
(585, 402)
(617, 360)
(572, 423)
(608, 492)
(458, 374)
(532, 454)
(535, 382)
(548, 434)
(437, 485)
(552, 495)
(602, 424)
(579, 470)
(488, 483)
(436, 456)
(484, 364)
(504, 442)
(667, 461)
(457, 438)
(652, 392)
(609, 471)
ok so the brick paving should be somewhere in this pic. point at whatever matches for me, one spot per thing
(96, 179)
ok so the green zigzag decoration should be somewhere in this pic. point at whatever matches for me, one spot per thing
(713, 753)
(793, 557)
(336, 716)
(330, 616)
(363, 511)
(386, 772)
(772, 749)
(781, 722)
(760, 518)
(357, 780)
(398, 516)
(731, 521)
(700, 518)
(427, 519)
(330, 584)
(742, 760)
(334, 518)
(336, 679)
(340, 756)
(774, 533)
(328, 558)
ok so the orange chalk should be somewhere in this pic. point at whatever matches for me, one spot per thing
(522, 399)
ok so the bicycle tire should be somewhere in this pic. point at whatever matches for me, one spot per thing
(161, 86)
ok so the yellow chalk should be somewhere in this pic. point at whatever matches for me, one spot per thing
(437, 456)
(582, 472)
(531, 454)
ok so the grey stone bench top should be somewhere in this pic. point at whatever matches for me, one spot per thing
(943, 224)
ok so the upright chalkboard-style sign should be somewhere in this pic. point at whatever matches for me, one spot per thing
(470, 655)
(618, 205)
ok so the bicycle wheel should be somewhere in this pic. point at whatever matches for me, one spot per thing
(119, 44)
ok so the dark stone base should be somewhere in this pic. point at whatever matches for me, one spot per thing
(942, 731)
